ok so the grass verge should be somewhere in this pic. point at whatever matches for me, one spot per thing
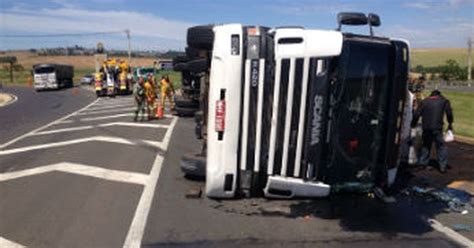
(462, 104)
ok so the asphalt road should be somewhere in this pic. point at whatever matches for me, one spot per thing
(95, 178)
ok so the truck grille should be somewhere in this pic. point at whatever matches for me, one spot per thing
(274, 117)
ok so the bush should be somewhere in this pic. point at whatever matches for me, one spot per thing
(451, 70)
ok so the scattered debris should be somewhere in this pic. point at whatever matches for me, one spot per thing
(467, 186)
(352, 187)
(382, 196)
(194, 193)
(461, 228)
(457, 200)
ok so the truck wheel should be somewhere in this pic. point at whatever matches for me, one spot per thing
(193, 166)
(201, 37)
(192, 53)
(186, 103)
(185, 112)
(180, 59)
(181, 67)
(198, 65)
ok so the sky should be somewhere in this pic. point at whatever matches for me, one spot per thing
(161, 24)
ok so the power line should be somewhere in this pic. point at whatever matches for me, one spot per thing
(58, 35)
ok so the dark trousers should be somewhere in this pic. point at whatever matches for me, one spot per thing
(140, 108)
(436, 136)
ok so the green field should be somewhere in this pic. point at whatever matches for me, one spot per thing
(438, 56)
(21, 77)
(462, 104)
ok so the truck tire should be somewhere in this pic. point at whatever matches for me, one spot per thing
(180, 59)
(201, 37)
(193, 166)
(198, 65)
(186, 103)
(185, 112)
(192, 52)
(181, 67)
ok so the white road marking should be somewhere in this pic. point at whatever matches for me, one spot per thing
(114, 104)
(98, 107)
(137, 228)
(80, 169)
(105, 111)
(70, 129)
(458, 238)
(9, 244)
(106, 117)
(65, 122)
(113, 116)
(156, 144)
(43, 127)
(14, 98)
(129, 124)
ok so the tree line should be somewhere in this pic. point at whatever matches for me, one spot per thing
(450, 70)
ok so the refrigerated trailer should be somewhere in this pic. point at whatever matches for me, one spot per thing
(52, 76)
(294, 112)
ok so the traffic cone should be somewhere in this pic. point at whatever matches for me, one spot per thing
(159, 111)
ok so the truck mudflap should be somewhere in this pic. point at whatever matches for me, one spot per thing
(286, 187)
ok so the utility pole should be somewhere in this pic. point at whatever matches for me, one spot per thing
(469, 60)
(127, 31)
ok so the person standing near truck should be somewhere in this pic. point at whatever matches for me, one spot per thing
(139, 95)
(432, 110)
(150, 96)
(166, 91)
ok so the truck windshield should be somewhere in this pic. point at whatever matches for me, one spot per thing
(43, 70)
(360, 112)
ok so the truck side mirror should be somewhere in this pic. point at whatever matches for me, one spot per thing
(374, 21)
(351, 18)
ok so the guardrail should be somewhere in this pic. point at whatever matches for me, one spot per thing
(450, 85)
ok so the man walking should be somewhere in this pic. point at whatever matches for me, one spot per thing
(139, 94)
(432, 110)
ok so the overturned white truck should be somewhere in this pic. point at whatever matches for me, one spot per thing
(293, 112)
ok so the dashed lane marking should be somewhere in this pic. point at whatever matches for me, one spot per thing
(98, 107)
(45, 126)
(107, 117)
(80, 128)
(106, 111)
(155, 144)
(65, 122)
(112, 117)
(80, 169)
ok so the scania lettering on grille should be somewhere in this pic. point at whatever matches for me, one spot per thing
(254, 72)
(316, 122)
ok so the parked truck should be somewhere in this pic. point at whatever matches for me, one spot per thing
(52, 76)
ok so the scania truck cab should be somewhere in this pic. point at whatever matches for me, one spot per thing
(295, 112)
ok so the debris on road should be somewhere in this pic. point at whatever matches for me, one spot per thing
(467, 186)
(352, 187)
(194, 193)
(457, 200)
(461, 228)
